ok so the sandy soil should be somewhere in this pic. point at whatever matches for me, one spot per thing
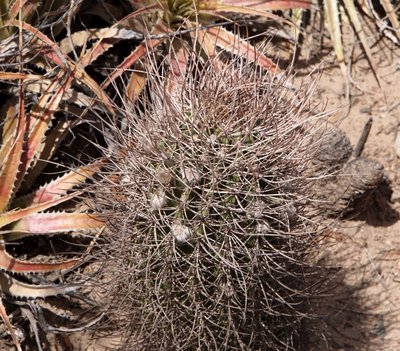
(363, 310)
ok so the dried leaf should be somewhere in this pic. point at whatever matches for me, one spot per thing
(352, 11)
(332, 14)
(79, 39)
(13, 287)
(11, 264)
(8, 324)
(15, 215)
(50, 223)
(392, 15)
(237, 46)
(11, 163)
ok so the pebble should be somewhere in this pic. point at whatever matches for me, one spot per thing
(365, 109)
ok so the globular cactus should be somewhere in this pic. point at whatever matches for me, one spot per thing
(207, 193)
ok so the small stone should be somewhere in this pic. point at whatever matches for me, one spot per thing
(365, 109)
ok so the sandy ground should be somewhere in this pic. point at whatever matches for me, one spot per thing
(363, 310)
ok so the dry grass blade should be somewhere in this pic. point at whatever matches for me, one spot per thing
(331, 11)
(19, 75)
(355, 21)
(392, 15)
(332, 14)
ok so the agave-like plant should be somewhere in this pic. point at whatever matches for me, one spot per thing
(188, 22)
(28, 140)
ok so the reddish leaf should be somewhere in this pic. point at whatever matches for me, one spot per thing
(50, 223)
(178, 66)
(25, 7)
(59, 186)
(11, 264)
(13, 216)
(39, 120)
(236, 45)
(138, 53)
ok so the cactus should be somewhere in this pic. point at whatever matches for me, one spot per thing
(207, 192)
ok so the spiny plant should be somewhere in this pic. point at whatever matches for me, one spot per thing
(30, 136)
(25, 147)
(205, 194)
(190, 23)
